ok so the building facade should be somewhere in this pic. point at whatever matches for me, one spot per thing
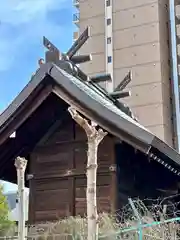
(134, 35)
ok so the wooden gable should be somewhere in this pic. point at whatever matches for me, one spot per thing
(58, 164)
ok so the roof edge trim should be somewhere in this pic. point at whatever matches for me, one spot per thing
(27, 90)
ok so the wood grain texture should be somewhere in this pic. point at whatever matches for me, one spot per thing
(59, 168)
(58, 164)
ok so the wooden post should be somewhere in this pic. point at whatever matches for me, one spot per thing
(20, 164)
(94, 137)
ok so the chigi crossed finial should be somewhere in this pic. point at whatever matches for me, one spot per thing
(69, 62)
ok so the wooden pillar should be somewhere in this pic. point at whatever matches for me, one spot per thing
(112, 169)
(20, 164)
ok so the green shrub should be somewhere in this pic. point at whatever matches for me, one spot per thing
(6, 226)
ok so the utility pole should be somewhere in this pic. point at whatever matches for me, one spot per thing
(20, 164)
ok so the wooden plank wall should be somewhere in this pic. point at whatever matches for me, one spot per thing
(58, 188)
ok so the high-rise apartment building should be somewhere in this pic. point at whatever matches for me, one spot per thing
(136, 35)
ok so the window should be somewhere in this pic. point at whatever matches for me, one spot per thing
(109, 40)
(108, 3)
(108, 21)
(109, 59)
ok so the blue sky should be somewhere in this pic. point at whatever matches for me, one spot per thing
(23, 23)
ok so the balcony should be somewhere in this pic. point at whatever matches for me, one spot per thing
(76, 3)
(76, 18)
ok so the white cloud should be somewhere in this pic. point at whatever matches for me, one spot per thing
(29, 19)
(22, 11)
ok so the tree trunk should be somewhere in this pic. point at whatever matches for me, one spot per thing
(94, 137)
(20, 164)
(91, 188)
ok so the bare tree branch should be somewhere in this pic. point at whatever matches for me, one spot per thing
(94, 138)
(101, 134)
(81, 121)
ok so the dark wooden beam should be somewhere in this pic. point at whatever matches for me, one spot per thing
(81, 59)
(28, 108)
(78, 43)
(101, 78)
(120, 94)
(31, 132)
